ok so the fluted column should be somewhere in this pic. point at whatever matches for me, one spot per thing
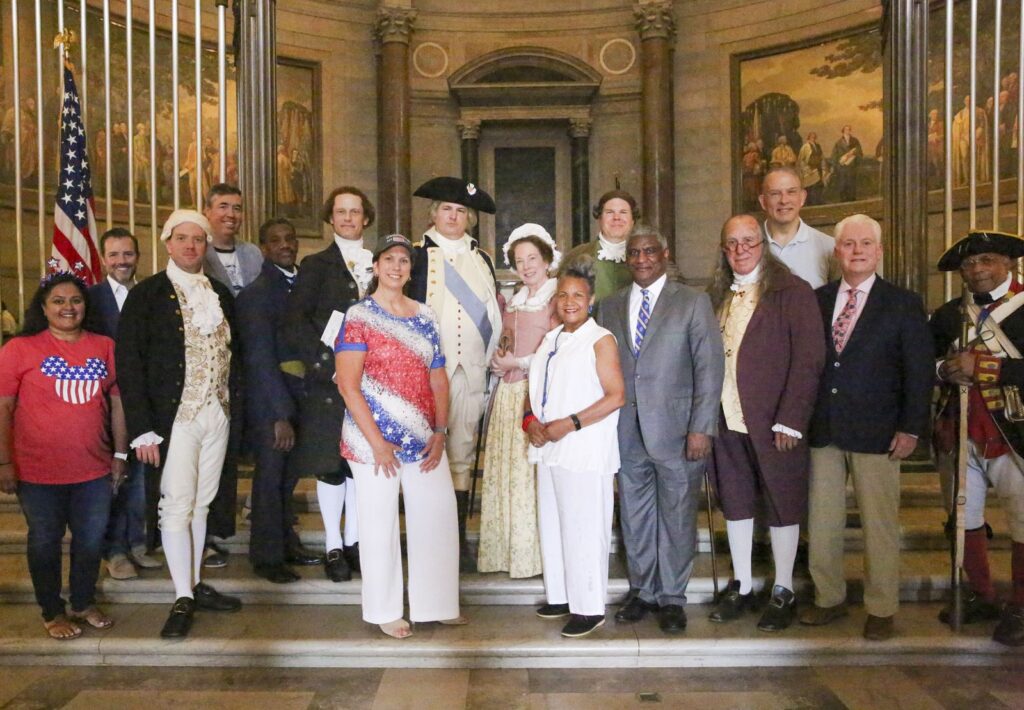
(394, 192)
(469, 131)
(656, 25)
(579, 135)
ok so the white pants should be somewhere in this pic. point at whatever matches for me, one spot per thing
(1006, 478)
(191, 472)
(465, 405)
(575, 518)
(431, 539)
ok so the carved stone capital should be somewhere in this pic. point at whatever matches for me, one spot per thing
(654, 19)
(394, 24)
(580, 127)
(469, 129)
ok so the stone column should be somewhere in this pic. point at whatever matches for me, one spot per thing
(469, 131)
(656, 25)
(394, 192)
(905, 180)
(579, 135)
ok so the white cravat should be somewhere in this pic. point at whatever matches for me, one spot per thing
(450, 247)
(358, 259)
(200, 298)
(611, 251)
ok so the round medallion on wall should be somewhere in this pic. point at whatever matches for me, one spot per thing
(617, 56)
(430, 60)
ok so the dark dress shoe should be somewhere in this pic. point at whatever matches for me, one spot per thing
(303, 558)
(580, 625)
(975, 609)
(634, 610)
(180, 620)
(214, 556)
(336, 568)
(209, 599)
(553, 611)
(1010, 629)
(878, 628)
(278, 574)
(672, 619)
(780, 612)
(351, 553)
(732, 604)
(822, 615)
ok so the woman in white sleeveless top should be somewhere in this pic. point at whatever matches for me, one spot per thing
(571, 418)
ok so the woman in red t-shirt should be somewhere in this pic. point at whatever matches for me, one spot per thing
(60, 423)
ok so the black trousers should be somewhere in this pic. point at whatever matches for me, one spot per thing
(273, 487)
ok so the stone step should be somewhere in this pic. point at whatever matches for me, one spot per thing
(924, 578)
(496, 637)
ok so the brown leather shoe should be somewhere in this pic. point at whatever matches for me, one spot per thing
(821, 615)
(878, 628)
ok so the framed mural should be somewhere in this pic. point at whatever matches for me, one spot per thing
(299, 173)
(815, 106)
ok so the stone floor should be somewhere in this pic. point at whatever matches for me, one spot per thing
(877, 688)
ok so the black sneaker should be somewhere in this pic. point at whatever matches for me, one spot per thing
(209, 599)
(214, 556)
(179, 622)
(553, 611)
(975, 609)
(732, 605)
(580, 625)
(780, 612)
(1010, 629)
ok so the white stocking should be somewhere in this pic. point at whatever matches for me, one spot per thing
(331, 500)
(178, 552)
(741, 543)
(784, 543)
(351, 525)
(198, 542)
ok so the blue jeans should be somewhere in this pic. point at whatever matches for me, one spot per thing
(127, 528)
(49, 510)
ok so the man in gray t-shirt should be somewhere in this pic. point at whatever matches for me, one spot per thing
(806, 251)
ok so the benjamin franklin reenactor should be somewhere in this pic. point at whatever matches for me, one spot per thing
(991, 364)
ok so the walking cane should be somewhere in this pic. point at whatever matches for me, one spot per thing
(959, 486)
(711, 535)
(476, 463)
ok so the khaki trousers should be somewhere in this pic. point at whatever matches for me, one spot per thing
(465, 405)
(876, 484)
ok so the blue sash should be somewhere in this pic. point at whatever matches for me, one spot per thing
(470, 302)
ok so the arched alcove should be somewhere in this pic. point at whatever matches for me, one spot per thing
(525, 76)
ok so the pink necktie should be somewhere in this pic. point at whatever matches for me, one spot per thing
(841, 328)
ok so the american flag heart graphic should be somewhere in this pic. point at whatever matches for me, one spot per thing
(75, 384)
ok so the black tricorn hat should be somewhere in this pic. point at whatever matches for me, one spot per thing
(981, 242)
(452, 189)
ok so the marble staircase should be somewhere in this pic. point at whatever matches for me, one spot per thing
(314, 622)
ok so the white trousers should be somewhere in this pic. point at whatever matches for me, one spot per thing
(465, 405)
(431, 539)
(1006, 478)
(191, 472)
(575, 519)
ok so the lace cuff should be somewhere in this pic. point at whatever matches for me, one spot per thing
(780, 429)
(150, 437)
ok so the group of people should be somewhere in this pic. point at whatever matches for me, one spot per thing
(370, 370)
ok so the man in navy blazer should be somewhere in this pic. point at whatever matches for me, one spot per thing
(872, 407)
(125, 544)
(270, 411)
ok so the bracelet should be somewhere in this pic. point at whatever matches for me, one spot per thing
(576, 422)
(527, 414)
(528, 419)
(120, 456)
(442, 430)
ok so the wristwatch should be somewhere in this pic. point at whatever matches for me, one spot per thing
(122, 457)
(442, 430)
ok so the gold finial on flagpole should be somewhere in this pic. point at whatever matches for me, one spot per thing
(63, 41)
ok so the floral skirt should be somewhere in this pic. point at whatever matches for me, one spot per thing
(509, 541)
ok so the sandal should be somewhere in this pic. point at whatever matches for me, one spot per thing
(398, 629)
(93, 617)
(457, 621)
(60, 628)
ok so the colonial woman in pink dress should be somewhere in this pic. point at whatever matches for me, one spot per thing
(509, 540)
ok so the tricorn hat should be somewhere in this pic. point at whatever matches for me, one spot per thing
(981, 242)
(452, 189)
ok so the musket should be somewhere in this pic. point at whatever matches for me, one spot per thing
(959, 480)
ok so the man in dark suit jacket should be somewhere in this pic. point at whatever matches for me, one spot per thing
(873, 404)
(270, 411)
(673, 393)
(177, 368)
(329, 282)
(125, 544)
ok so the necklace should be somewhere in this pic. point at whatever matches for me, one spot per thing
(547, 368)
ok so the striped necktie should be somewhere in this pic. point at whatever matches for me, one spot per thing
(642, 319)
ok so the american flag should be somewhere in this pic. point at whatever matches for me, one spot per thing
(74, 217)
(75, 384)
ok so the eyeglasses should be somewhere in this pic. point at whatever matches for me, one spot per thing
(736, 245)
(646, 251)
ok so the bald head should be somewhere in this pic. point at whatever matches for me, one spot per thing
(741, 222)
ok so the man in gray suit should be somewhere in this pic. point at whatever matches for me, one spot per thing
(234, 263)
(670, 348)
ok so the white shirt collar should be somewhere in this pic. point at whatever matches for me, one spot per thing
(800, 236)
(1001, 290)
(116, 286)
(864, 286)
(653, 291)
(290, 274)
